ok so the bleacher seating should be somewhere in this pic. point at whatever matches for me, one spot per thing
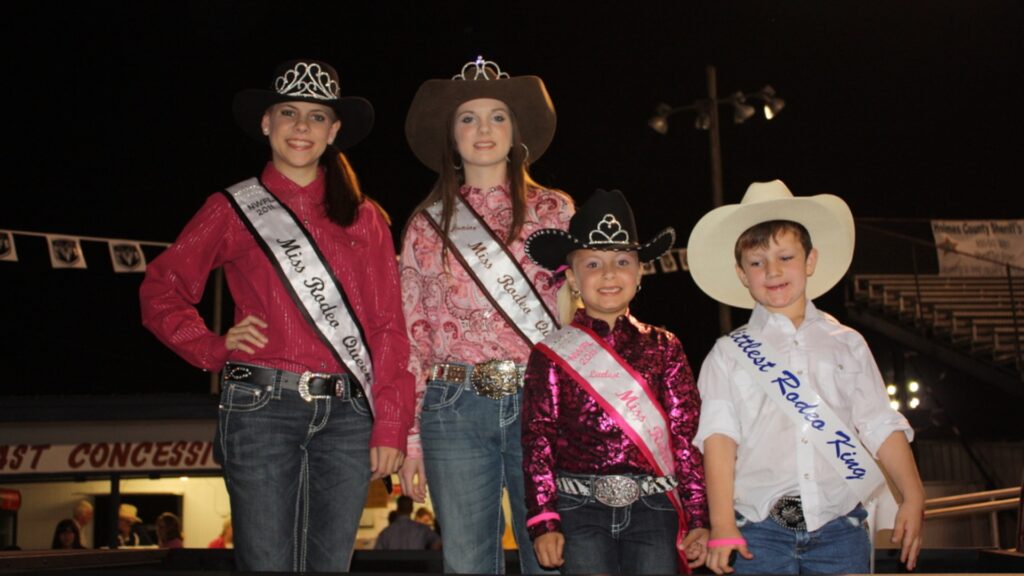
(983, 316)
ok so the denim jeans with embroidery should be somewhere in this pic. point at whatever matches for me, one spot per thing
(297, 474)
(841, 546)
(635, 539)
(472, 450)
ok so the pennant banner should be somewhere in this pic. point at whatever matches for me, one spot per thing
(65, 252)
(127, 257)
(7, 251)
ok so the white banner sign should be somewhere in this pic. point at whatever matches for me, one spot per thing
(180, 455)
(998, 241)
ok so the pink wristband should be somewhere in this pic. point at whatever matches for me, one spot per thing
(723, 542)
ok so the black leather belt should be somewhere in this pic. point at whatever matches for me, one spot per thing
(310, 385)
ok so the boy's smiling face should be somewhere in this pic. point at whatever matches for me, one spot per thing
(776, 276)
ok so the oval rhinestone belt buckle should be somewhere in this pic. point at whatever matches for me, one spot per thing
(616, 491)
(304, 386)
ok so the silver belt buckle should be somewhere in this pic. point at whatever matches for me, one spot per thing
(616, 491)
(304, 386)
(496, 379)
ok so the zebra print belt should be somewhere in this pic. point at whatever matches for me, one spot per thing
(615, 490)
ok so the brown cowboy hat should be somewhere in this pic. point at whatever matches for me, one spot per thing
(436, 101)
(305, 81)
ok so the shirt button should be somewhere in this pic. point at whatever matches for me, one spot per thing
(796, 342)
(840, 366)
(804, 440)
(354, 243)
(807, 476)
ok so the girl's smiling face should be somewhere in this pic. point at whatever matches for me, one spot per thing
(607, 281)
(299, 133)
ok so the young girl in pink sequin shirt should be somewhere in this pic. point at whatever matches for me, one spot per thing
(613, 483)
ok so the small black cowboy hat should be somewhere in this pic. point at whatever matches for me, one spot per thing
(305, 81)
(604, 222)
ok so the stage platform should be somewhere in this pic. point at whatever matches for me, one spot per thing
(195, 561)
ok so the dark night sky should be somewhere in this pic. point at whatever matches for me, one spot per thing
(122, 126)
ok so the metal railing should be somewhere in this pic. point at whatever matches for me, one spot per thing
(988, 502)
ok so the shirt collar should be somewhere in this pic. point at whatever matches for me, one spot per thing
(623, 324)
(280, 184)
(761, 317)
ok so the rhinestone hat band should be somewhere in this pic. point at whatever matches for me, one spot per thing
(481, 69)
(307, 80)
(609, 231)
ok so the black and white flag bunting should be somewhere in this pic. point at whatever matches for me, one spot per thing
(8, 253)
(66, 250)
(672, 261)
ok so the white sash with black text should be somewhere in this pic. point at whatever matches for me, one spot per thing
(495, 271)
(833, 439)
(311, 283)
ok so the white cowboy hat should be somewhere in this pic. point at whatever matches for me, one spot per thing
(711, 248)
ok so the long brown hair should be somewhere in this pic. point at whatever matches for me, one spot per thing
(342, 193)
(451, 179)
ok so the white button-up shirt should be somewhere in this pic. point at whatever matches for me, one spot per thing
(773, 457)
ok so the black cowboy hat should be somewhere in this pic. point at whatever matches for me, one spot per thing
(436, 101)
(604, 222)
(305, 81)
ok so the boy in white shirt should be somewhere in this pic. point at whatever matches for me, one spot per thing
(786, 397)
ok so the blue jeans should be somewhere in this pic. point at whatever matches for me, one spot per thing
(472, 450)
(635, 539)
(297, 473)
(841, 546)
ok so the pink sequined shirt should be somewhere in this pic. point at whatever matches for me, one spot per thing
(566, 430)
(362, 257)
(448, 316)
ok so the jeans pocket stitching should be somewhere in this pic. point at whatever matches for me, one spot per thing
(447, 399)
(258, 397)
(568, 502)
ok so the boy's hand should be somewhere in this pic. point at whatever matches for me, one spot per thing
(907, 531)
(549, 549)
(718, 557)
(695, 546)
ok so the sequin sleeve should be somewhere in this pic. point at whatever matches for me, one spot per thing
(682, 405)
(540, 436)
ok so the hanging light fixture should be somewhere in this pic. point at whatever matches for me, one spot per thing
(659, 122)
(741, 110)
(772, 103)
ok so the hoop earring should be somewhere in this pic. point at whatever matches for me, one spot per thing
(526, 149)
(575, 293)
(459, 165)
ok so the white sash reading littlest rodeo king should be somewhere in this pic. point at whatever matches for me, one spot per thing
(836, 442)
(495, 271)
(624, 395)
(310, 282)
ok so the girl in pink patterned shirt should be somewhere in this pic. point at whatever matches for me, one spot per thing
(474, 303)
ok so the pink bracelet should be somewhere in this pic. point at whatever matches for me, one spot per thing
(723, 542)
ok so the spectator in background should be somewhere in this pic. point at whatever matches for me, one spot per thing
(406, 534)
(168, 531)
(424, 516)
(82, 517)
(129, 528)
(226, 538)
(66, 536)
